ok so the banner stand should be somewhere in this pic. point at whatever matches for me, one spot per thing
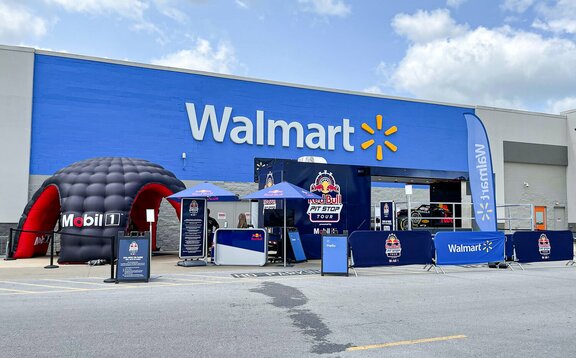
(436, 267)
(191, 263)
(192, 249)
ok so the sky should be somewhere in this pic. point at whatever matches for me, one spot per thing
(517, 54)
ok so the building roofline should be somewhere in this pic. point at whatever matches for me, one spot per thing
(248, 79)
(519, 111)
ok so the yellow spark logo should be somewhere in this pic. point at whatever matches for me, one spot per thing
(367, 144)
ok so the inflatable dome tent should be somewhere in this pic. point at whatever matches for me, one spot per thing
(96, 197)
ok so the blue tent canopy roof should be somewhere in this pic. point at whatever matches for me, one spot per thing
(206, 191)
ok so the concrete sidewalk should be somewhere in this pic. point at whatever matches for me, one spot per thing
(33, 268)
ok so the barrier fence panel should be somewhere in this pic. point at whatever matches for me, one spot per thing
(382, 248)
(434, 215)
(442, 215)
(534, 246)
(516, 217)
(461, 248)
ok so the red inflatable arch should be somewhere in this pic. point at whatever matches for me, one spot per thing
(94, 199)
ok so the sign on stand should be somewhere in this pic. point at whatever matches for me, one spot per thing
(334, 255)
(296, 245)
(192, 229)
(388, 215)
(133, 254)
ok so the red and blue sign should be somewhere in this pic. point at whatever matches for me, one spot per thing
(534, 246)
(384, 248)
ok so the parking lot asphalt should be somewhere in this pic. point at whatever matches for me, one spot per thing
(275, 311)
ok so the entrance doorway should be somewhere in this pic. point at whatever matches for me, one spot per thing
(540, 217)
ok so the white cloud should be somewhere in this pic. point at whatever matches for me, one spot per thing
(558, 18)
(427, 26)
(18, 23)
(499, 67)
(373, 89)
(455, 3)
(518, 6)
(241, 4)
(132, 9)
(203, 57)
(562, 105)
(326, 7)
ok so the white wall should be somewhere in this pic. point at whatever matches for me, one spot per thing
(571, 170)
(16, 80)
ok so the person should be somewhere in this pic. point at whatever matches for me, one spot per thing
(242, 223)
(212, 226)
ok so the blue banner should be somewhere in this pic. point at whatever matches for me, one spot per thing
(334, 255)
(388, 215)
(344, 191)
(192, 229)
(533, 246)
(460, 248)
(481, 177)
(312, 245)
(380, 248)
(133, 254)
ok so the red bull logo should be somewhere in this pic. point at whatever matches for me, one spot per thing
(269, 204)
(133, 248)
(393, 248)
(327, 209)
(257, 237)
(544, 246)
(193, 209)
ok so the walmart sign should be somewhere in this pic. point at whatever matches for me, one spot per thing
(222, 124)
(245, 130)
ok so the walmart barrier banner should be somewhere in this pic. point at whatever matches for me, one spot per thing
(533, 246)
(480, 171)
(460, 248)
(381, 248)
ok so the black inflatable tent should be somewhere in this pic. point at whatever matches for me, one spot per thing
(96, 197)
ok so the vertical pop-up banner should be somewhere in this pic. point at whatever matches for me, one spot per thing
(481, 177)
(388, 215)
(192, 229)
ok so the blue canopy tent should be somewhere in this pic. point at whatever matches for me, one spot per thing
(283, 190)
(210, 193)
(205, 190)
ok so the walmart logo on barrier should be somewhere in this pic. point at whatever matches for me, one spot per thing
(367, 144)
(457, 248)
(262, 131)
(487, 246)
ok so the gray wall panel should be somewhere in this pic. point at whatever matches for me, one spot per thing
(535, 153)
(16, 74)
(541, 185)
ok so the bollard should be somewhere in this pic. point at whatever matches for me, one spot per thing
(111, 279)
(9, 253)
(51, 266)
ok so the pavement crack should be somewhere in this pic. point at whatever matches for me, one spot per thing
(308, 323)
